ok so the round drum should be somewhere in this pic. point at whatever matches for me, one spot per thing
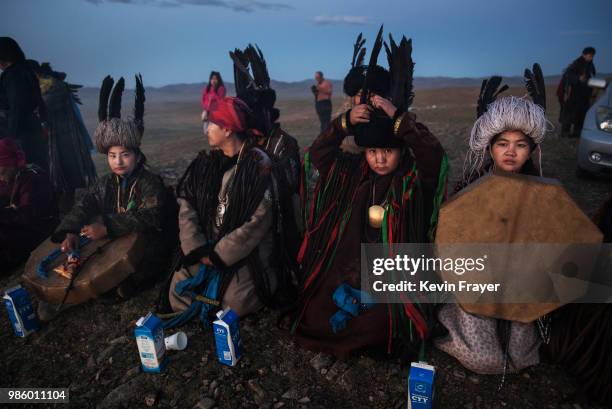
(106, 264)
(530, 213)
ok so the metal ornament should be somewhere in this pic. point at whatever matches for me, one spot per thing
(221, 207)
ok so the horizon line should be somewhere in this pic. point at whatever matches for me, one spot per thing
(600, 75)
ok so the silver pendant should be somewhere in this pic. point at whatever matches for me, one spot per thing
(220, 213)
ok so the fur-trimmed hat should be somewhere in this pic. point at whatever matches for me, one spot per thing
(497, 115)
(112, 130)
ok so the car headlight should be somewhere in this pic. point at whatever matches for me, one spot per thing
(604, 118)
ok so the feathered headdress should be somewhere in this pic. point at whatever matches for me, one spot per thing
(396, 84)
(379, 81)
(496, 115)
(112, 130)
(252, 83)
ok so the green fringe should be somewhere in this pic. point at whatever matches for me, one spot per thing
(442, 180)
(307, 201)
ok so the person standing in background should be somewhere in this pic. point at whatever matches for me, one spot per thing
(574, 93)
(214, 89)
(323, 105)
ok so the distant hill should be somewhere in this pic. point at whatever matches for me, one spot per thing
(301, 89)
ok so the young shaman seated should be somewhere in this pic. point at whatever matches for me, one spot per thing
(128, 199)
(504, 138)
(377, 165)
(225, 220)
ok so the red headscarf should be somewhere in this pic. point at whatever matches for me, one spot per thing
(229, 112)
(11, 155)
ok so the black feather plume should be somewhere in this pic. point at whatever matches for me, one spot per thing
(488, 92)
(389, 53)
(358, 51)
(258, 66)
(361, 57)
(262, 97)
(499, 91)
(139, 104)
(534, 82)
(242, 76)
(401, 70)
(105, 90)
(264, 66)
(390, 49)
(114, 110)
(373, 62)
(376, 48)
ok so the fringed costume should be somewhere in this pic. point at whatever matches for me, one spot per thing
(71, 166)
(482, 344)
(337, 218)
(227, 214)
(134, 203)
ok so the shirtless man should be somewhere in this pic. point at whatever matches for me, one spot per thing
(323, 92)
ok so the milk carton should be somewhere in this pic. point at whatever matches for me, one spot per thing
(20, 311)
(421, 386)
(151, 346)
(227, 337)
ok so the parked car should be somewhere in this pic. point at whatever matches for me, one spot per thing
(595, 146)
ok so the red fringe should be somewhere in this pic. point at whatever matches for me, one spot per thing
(316, 270)
(415, 316)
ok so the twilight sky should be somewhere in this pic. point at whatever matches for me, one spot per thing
(180, 41)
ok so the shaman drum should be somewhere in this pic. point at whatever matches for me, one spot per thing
(106, 263)
(547, 233)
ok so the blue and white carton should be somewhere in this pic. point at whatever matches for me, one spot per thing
(20, 311)
(151, 345)
(421, 386)
(227, 337)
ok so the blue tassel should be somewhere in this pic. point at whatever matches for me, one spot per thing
(351, 302)
(210, 279)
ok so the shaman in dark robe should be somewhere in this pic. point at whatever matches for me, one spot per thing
(227, 218)
(128, 199)
(352, 180)
(21, 103)
(347, 187)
